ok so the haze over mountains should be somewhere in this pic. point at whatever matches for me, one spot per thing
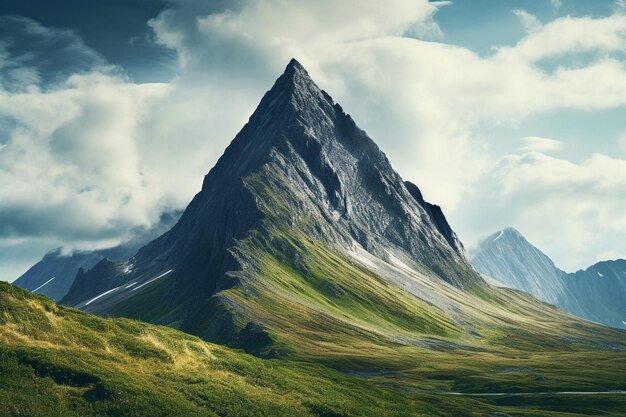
(597, 293)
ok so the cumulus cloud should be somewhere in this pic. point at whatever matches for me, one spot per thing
(528, 20)
(70, 169)
(573, 35)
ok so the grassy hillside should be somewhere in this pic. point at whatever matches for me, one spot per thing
(59, 361)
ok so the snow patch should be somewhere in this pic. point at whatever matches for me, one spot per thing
(102, 295)
(131, 284)
(397, 262)
(153, 279)
(599, 274)
(361, 255)
(128, 269)
(43, 285)
(499, 236)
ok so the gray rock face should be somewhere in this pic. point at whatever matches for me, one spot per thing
(509, 258)
(300, 163)
(437, 217)
(54, 274)
(597, 293)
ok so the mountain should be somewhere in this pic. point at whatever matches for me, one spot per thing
(299, 174)
(509, 258)
(597, 293)
(305, 243)
(54, 274)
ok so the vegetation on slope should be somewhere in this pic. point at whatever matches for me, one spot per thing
(57, 361)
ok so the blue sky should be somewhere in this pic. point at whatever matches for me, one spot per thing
(505, 112)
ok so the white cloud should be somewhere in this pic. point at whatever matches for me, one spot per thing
(571, 35)
(556, 4)
(71, 167)
(529, 21)
(567, 207)
(541, 144)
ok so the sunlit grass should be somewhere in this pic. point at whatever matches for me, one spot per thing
(56, 361)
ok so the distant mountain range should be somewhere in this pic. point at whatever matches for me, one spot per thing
(597, 293)
(54, 274)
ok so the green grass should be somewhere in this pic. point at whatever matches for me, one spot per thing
(56, 361)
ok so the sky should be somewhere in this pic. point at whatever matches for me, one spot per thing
(504, 112)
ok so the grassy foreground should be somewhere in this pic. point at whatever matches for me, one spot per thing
(57, 361)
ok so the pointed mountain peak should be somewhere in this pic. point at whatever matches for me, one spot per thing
(295, 75)
(505, 233)
(296, 86)
(512, 231)
(295, 67)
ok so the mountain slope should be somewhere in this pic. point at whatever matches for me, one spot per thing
(597, 294)
(57, 361)
(54, 274)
